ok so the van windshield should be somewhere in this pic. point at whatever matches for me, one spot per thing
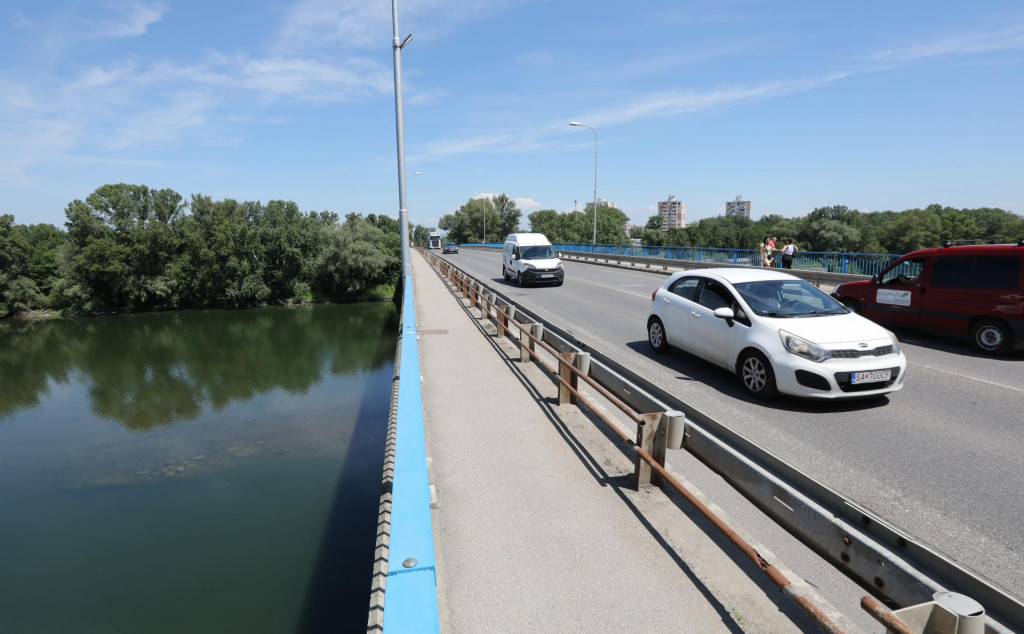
(542, 252)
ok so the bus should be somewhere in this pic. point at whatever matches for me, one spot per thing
(434, 240)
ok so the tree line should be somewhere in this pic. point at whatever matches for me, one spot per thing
(834, 228)
(129, 247)
(840, 229)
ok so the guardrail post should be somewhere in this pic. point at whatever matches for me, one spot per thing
(651, 437)
(472, 294)
(565, 361)
(485, 310)
(500, 317)
(525, 342)
(582, 364)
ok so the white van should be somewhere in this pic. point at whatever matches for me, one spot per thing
(529, 258)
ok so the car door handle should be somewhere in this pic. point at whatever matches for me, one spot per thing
(666, 300)
(695, 314)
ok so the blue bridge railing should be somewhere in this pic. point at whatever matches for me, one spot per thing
(832, 262)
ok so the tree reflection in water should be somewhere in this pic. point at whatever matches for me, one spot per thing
(145, 371)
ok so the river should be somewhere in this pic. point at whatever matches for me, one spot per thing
(195, 471)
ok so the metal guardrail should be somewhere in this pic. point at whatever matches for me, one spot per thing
(816, 277)
(891, 564)
(830, 261)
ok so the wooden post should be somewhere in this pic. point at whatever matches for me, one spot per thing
(500, 317)
(650, 437)
(525, 343)
(565, 361)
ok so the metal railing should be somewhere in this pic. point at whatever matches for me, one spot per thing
(893, 565)
(821, 261)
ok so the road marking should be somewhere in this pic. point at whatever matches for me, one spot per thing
(632, 293)
(967, 376)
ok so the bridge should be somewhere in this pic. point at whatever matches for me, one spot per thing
(910, 490)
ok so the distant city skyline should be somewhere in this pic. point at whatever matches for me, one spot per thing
(885, 106)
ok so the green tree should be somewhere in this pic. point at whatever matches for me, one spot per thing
(355, 259)
(654, 223)
(911, 230)
(467, 224)
(508, 215)
(121, 244)
(545, 221)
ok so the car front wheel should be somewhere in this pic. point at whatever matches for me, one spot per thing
(991, 336)
(656, 335)
(757, 375)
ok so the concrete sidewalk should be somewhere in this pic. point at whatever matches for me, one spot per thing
(536, 526)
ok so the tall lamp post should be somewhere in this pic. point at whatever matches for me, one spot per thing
(583, 125)
(403, 212)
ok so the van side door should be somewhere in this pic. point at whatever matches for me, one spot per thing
(897, 295)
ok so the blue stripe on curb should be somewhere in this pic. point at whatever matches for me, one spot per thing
(410, 592)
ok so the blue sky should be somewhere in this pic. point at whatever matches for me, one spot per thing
(793, 105)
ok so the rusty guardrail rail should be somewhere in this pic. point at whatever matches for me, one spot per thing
(887, 562)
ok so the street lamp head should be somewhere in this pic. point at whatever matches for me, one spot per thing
(575, 123)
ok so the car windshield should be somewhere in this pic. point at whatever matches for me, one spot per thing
(787, 298)
(544, 252)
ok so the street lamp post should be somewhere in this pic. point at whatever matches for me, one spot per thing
(583, 125)
(403, 212)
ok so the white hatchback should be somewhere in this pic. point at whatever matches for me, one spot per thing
(777, 332)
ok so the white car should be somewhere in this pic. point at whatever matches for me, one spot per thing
(777, 332)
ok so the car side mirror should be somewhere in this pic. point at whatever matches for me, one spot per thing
(876, 278)
(725, 313)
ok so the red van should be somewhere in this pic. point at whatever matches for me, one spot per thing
(975, 290)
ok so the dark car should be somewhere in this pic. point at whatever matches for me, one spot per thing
(451, 247)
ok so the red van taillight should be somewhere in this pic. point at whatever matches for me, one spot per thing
(653, 294)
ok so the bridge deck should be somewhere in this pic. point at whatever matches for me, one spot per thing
(536, 526)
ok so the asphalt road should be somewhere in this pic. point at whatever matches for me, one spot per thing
(942, 459)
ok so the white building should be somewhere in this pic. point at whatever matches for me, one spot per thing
(738, 207)
(601, 202)
(672, 212)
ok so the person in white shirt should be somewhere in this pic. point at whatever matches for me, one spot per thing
(788, 252)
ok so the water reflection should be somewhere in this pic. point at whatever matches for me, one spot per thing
(145, 371)
(237, 490)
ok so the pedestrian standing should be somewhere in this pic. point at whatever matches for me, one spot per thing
(788, 252)
(766, 251)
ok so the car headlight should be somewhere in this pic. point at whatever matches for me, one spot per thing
(895, 342)
(558, 265)
(529, 266)
(803, 348)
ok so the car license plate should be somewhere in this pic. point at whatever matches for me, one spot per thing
(870, 377)
(547, 275)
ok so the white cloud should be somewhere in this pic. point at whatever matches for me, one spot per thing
(524, 204)
(527, 204)
(669, 103)
(358, 23)
(132, 19)
(1007, 39)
